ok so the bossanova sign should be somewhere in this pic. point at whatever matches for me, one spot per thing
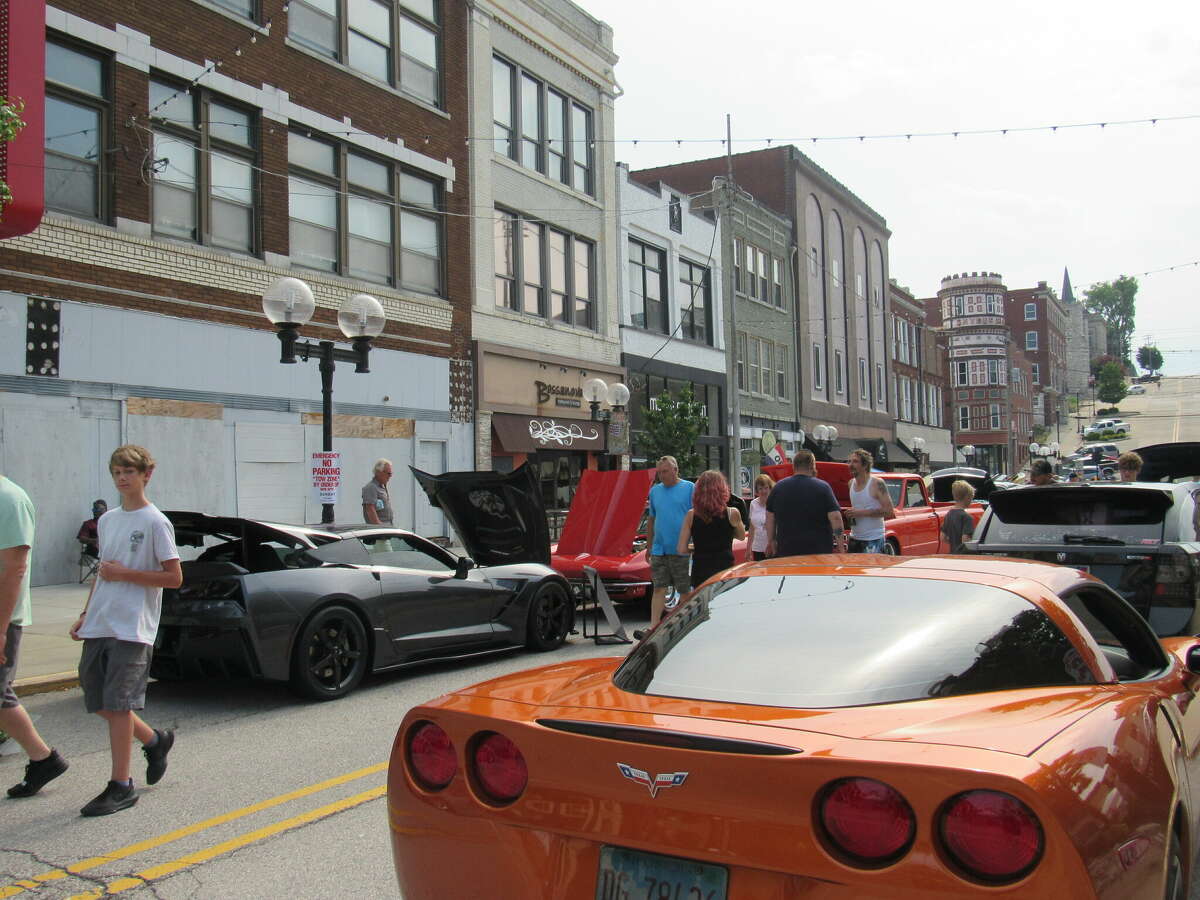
(546, 391)
(548, 432)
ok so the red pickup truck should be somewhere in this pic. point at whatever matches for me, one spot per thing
(917, 528)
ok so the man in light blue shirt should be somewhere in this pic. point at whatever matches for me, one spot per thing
(670, 501)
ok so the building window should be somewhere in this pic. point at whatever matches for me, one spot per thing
(204, 161)
(240, 7)
(964, 418)
(739, 250)
(396, 42)
(960, 305)
(755, 366)
(777, 278)
(1030, 312)
(363, 217)
(818, 368)
(995, 416)
(696, 302)
(77, 116)
(675, 214)
(879, 394)
(839, 383)
(647, 287)
(960, 373)
(1031, 340)
(1036, 368)
(781, 352)
(862, 378)
(542, 271)
(742, 356)
(555, 131)
(906, 402)
(995, 371)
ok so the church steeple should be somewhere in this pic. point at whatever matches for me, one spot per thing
(1067, 295)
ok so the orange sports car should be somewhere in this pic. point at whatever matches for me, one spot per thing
(823, 727)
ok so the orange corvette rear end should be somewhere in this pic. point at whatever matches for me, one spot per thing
(744, 751)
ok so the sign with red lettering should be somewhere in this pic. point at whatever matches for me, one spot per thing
(326, 471)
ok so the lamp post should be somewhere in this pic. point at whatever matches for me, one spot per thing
(918, 445)
(288, 304)
(825, 435)
(596, 391)
(968, 451)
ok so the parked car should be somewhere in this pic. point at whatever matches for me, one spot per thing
(1137, 389)
(1107, 451)
(320, 608)
(839, 727)
(1140, 538)
(940, 483)
(1107, 428)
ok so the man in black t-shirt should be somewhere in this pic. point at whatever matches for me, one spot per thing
(803, 516)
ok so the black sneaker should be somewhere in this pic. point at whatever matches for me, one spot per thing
(156, 756)
(113, 798)
(39, 773)
(640, 633)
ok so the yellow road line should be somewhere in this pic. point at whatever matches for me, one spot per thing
(18, 887)
(169, 868)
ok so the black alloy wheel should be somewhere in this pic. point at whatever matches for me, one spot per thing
(330, 658)
(551, 614)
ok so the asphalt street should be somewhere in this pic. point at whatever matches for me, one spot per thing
(265, 795)
(1162, 414)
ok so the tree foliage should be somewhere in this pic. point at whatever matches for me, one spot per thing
(1110, 386)
(1149, 358)
(1100, 362)
(672, 429)
(10, 123)
(1115, 302)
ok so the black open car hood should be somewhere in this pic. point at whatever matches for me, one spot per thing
(498, 517)
(1170, 462)
(984, 484)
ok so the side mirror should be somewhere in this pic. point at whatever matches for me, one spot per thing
(464, 565)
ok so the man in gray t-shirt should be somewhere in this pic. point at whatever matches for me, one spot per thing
(377, 503)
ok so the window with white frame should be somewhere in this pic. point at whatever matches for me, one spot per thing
(361, 216)
(739, 263)
(777, 280)
(994, 411)
(78, 113)
(240, 7)
(818, 367)
(743, 355)
(995, 371)
(1030, 312)
(1037, 372)
(203, 182)
(961, 377)
(397, 42)
(879, 380)
(862, 378)
(964, 418)
(543, 271)
(540, 127)
(1031, 340)
(781, 385)
(839, 373)
(907, 399)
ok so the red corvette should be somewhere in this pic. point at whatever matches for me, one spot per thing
(823, 727)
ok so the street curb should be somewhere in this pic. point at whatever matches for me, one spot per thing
(43, 684)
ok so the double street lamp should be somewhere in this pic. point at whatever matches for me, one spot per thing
(596, 391)
(1036, 449)
(918, 447)
(289, 304)
(825, 435)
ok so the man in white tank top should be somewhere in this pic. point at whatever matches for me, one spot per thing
(870, 504)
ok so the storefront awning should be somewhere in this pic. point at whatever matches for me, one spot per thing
(526, 434)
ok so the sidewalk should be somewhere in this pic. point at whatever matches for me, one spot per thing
(49, 658)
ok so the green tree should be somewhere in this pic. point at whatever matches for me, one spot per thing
(1115, 302)
(1110, 386)
(10, 123)
(1149, 358)
(672, 428)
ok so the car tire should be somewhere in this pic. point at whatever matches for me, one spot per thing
(891, 548)
(1176, 886)
(330, 657)
(551, 617)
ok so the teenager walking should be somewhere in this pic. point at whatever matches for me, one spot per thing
(138, 559)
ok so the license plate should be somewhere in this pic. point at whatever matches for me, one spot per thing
(632, 875)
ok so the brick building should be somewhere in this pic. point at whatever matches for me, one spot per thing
(918, 365)
(196, 150)
(545, 252)
(841, 272)
(1037, 320)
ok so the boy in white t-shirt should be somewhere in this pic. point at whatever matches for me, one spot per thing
(137, 560)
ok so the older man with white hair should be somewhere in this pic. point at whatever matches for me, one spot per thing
(376, 502)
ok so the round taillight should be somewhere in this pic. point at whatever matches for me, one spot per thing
(991, 836)
(431, 757)
(500, 768)
(866, 821)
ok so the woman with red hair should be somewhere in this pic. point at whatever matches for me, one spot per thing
(711, 525)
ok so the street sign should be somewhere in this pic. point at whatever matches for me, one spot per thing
(326, 469)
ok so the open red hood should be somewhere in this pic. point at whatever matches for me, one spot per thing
(605, 512)
(837, 474)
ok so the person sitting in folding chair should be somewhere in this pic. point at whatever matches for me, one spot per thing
(89, 540)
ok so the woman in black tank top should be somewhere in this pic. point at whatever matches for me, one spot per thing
(711, 525)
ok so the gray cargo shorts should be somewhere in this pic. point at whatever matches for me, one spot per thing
(113, 674)
(8, 669)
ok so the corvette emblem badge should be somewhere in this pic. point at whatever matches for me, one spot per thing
(663, 780)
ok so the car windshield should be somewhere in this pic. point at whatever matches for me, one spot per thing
(822, 641)
(1078, 515)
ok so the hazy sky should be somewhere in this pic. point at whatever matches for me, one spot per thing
(1101, 202)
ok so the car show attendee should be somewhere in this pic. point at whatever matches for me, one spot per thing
(118, 625)
(376, 501)
(670, 500)
(711, 526)
(958, 524)
(870, 504)
(87, 534)
(756, 528)
(803, 515)
(1041, 473)
(1129, 464)
(16, 540)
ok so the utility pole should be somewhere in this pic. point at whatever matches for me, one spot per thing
(731, 351)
